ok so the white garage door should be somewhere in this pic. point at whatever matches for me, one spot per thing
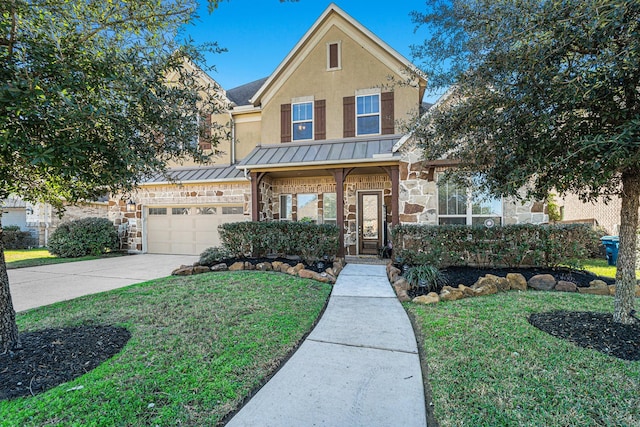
(187, 230)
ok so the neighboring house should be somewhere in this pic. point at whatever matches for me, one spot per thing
(320, 139)
(41, 219)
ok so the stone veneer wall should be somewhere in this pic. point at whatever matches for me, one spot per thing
(418, 203)
(131, 224)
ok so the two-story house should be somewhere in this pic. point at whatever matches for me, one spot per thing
(321, 139)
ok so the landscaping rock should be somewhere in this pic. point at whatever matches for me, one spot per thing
(638, 291)
(299, 266)
(467, 291)
(292, 271)
(612, 290)
(564, 286)
(403, 296)
(276, 265)
(236, 266)
(330, 271)
(220, 267)
(594, 290)
(337, 266)
(199, 269)
(402, 284)
(430, 298)
(185, 270)
(542, 282)
(451, 294)
(284, 267)
(249, 266)
(517, 282)
(597, 284)
(486, 289)
(263, 266)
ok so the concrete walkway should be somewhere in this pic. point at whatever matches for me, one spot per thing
(37, 286)
(359, 366)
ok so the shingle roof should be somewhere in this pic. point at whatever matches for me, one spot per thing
(200, 174)
(242, 94)
(324, 153)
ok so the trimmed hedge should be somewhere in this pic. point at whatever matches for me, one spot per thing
(509, 246)
(81, 237)
(14, 238)
(311, 242)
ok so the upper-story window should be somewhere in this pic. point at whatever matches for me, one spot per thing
(368, 114)
(302, 121)
(334, 60)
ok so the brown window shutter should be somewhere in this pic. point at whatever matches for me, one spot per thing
(388, 122)
(349, 116)
(320, 118)
(205, 141)
(285, 123)
(333, 55)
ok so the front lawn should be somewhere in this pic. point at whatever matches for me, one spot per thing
(19, 258)
(487, 366)
(199, 345)
(601, 268)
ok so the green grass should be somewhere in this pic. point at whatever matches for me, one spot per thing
(199, 345)
(487, 366)
(19, 258)
(601, 268)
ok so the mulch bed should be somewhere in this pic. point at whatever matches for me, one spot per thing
(52, 356)
(596, 331)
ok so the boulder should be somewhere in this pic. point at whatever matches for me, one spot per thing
(542, 282)
(292, 271)
(564, 286)
(249, 266)
(517, 282)
(299, 266)
(276, 265)
(393, 270)
(199, 269)
(337, 266)
(284, 267)
(451, 294)
(220, 267)
(598, 284)
(403, 296)
(264, 266)
(402, 284)
(430, 298)
(330, 271)
(594, 290)
(486, 289)
(307, 274)
(185, 270)
(467, 291)
(612, 289)
(236, 266)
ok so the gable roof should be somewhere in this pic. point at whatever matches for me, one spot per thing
(360, 150)
(241, 95)
(356, 30)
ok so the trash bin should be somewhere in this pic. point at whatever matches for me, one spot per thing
(611, 244)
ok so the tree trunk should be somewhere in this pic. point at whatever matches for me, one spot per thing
(626, 272)
(9, 338)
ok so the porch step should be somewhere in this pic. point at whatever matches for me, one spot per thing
(365, 259)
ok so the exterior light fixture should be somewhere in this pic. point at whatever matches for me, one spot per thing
(131, 206)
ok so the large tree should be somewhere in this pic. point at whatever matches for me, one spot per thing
(544, 96)
(94, 98)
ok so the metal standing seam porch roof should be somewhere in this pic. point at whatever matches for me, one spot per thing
(360, 150)
(199, 174)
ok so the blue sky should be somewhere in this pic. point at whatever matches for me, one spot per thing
(258, 34)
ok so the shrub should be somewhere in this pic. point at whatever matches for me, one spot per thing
(212, 256)
(81, 237)
(311, 242)
(511, 246)
(14, 238)
(426, 277)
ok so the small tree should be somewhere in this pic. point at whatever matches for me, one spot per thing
(86, 106)
(545, 98)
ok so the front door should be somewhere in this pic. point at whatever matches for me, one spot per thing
(369, 222)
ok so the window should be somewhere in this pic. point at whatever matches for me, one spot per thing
(334, 60)
(206, 211)
(465, 206)
(329, 209)
(368, 114)
(286, 204)
(302, 120)
(157, 211)
(308, 207)
(232, 210)
(180, 211)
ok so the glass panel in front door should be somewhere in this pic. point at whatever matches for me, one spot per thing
(370, 216)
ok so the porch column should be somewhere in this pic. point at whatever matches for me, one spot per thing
(338, 174)
(395, 193)
(255, 195)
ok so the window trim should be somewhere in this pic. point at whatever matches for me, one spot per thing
(295, 122)
(290, 197)
(338, 43)
(368, 93)
(469, 201)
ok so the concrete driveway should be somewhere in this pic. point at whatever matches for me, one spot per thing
(37, 286)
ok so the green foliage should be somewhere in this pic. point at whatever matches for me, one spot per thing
(426, 277)
(212, 256)
(512, 245)
(14, 238)
(86, 236)
(555, 214)
(310, 241)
